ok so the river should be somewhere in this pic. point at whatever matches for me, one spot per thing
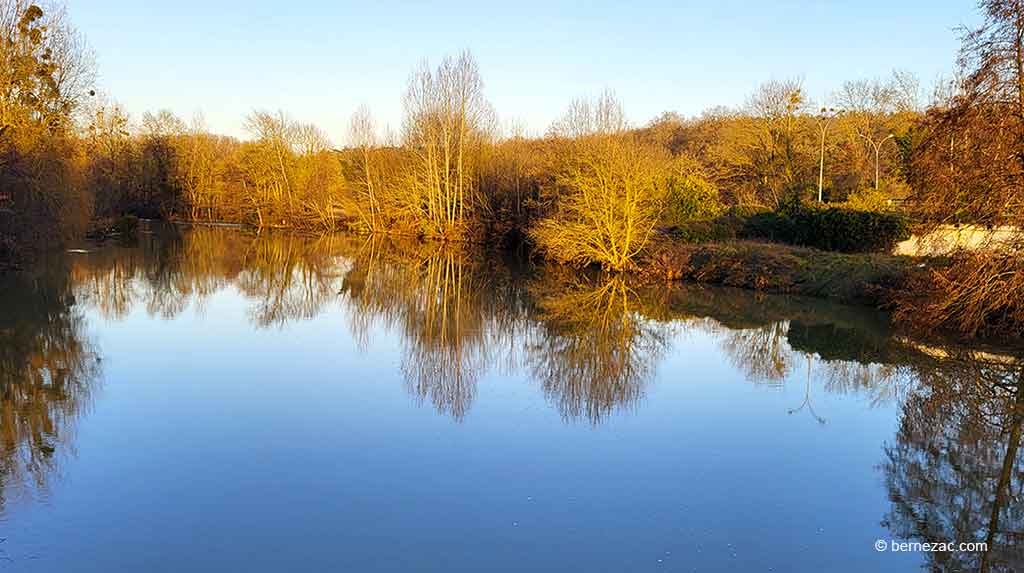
(209, 399)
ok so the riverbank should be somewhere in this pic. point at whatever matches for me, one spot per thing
(879, 281)
(862, 279)
(919, 292)
(865, 279)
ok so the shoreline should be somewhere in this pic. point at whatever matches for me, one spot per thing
(760, 266)
(859, 279)
(864, 280)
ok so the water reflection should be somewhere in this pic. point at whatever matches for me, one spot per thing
(49, 370)
(455, 316)
(460, 315)
(954, 473)
(592, 349)
(286, 277)
(289, 277)
(762, 353)
(591, 343)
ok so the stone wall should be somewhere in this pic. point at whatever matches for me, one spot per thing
(946, 238)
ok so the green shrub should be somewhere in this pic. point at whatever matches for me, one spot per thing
(705, 231)
(868, 199)
(770, 226)
(830, 228)
(726, 227)
(690, 197)
(796, 223)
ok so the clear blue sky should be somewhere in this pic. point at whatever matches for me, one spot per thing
(319, 60)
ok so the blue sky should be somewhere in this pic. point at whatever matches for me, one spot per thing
(319, 60)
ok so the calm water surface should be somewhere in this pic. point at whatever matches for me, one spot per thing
(210, 400)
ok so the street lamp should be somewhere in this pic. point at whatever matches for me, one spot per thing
(877, 147)
(825, 118)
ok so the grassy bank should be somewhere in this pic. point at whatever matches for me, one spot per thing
(970, 296)
(769, 267)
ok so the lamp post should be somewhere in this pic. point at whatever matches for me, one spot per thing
(877, 147)
(825, 118)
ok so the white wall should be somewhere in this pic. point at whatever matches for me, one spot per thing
(949, 237)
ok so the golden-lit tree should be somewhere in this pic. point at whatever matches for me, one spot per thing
(45, 71)
(610, 191)
(363, 137)
(447, 120)
(585, 117)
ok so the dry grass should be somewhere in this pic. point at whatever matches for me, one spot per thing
(980, 295)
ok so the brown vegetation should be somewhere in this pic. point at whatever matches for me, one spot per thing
(44, 74)
(593, 190)
(979, 294)
(969, 167)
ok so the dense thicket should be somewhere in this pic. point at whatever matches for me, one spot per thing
(591, 190)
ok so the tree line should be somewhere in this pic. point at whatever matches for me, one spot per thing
(592, 189)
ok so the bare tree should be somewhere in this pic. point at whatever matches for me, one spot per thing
(310, 140)
(446, 120)
(778, 108)
(969, 168)
(876, 109)
(363, 136)
(601, 115)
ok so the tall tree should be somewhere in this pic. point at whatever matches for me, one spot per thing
(969, 168)
(447, 117)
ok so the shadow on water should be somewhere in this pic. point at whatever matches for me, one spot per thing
(590, 342)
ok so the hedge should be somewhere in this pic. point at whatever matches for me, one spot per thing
(726, 227)
(830, 229)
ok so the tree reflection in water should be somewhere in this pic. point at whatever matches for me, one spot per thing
(290, 278)
(954, 472)
(49, 370)
(591, 342)
(286, 277)
(458, 317)
(592, 349)
(762, 352)
(454, 317)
